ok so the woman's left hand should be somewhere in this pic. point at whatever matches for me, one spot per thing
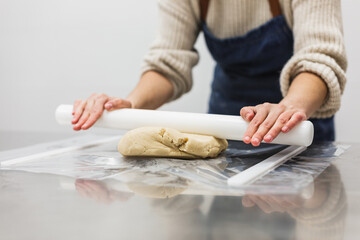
(306, 94)
(272, 203)
(268, 120)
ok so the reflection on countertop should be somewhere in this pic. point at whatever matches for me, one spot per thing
(320, 216)
(157, 200)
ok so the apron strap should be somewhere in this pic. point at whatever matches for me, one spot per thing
(274, 7)
(204, 4)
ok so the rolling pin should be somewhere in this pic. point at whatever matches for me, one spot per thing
(220, 126)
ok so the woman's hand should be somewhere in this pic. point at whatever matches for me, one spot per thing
(268, 120)
(93, 189)
(269, 204)
(100, 192)
(152, 91)
(87, 112)
(306, 94)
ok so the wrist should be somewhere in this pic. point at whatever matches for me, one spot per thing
(297, 104)
(307, 92)
(132, 101)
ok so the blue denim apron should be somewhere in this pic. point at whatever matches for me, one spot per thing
(248, 70)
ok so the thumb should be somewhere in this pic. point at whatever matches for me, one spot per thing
(117, 103)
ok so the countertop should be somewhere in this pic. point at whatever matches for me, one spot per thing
(38, 206)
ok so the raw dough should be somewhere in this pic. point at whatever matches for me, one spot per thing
(167, 142)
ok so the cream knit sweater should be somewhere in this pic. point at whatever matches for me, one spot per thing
(316, 25)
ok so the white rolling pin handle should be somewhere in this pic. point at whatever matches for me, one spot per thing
(221, 126)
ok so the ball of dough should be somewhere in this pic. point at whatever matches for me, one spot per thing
(168, 142)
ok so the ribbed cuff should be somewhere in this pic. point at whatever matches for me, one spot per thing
(326, 68)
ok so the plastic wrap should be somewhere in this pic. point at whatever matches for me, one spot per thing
(96, 158)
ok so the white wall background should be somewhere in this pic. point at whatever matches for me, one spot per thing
(53, 52)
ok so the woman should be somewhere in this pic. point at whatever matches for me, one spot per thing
(279, 62)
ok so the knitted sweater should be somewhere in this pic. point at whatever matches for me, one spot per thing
(316, 25)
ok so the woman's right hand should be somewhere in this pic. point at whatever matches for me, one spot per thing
(87, 112)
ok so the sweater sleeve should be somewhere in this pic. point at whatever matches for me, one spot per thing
(172, 54)
(319, 49)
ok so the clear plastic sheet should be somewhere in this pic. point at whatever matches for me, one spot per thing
(98, 159)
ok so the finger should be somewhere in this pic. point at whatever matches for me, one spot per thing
(286, 205)
(95, 113)
(81, 121)
(268, 123)
(76, 104)
(275, 206)
(85, 115)
(254, 124)
(117, 103)
(79, 181)
(83, 191)
(261, 204)
(246, 201)
(79, 111)
(89, 191)
(276, 128)
(96, 187)
(80, 191)
(247, 113)
(100, 193)
(295, 119)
